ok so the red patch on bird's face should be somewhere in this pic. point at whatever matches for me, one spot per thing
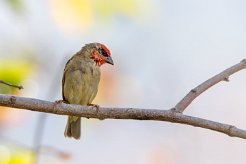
(104, 48)
(97, 58)
(100, 53)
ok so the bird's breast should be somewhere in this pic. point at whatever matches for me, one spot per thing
(90, 78)
(80, 82)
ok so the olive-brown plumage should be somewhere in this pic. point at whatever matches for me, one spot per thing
(80, 81)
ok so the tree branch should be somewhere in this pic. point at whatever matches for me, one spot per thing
(194, 93)
(11, 85)
(118, 113)
(174, 115)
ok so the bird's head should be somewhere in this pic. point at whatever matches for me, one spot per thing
(100, 54)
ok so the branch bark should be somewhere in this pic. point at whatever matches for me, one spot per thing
(118, 113)
(194, 93)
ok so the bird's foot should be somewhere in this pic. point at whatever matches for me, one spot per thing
(57, 102)
(60, 101)
(95, 105)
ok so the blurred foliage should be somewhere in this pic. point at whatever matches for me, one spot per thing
(13, 71)
(72, 15)
(23, 157)
(16, 5)
(109, 8)
(79, 15)
(12, 152)
(15, 155)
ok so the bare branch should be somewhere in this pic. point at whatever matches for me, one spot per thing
(16, 86)
(223, 76)
(118, 113)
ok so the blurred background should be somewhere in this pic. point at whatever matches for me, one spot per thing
(161, 50)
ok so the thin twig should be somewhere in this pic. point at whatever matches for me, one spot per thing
(16, 86)
(223, 76)
(118, 113)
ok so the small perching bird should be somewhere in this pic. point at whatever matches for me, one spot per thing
(80, 81)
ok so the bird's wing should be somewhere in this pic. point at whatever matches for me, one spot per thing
(78, 86)
(73, 86)
(66, 69)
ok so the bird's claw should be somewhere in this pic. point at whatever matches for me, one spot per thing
(60, 101)
(57, 102)
(95, 105)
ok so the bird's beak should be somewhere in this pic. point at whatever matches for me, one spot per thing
(109, 60)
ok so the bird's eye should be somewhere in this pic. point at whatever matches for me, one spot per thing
(103, 52)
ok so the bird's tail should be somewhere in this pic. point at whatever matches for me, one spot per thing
(73, 127)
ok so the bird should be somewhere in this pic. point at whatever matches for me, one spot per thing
(80, 81)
